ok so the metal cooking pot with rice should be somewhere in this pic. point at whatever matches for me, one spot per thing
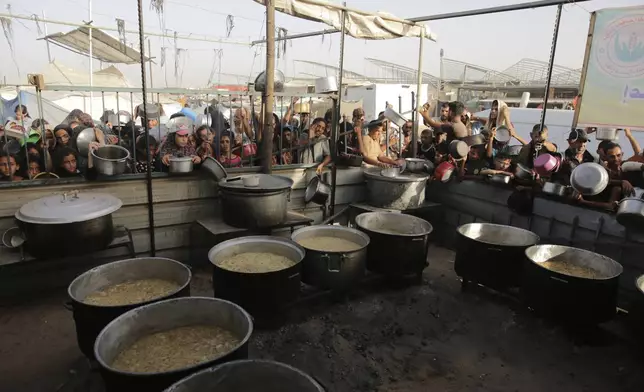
(571, 284)
(491, 254)
(91, 318)
(163, 316)
(335, 256)
(66, 224)
(398, 243)
(249, 375)
(260, 273)
(401, 192)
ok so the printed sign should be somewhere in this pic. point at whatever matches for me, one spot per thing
(613, 90)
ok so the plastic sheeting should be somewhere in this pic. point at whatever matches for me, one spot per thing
(364, 25)
(104, 47)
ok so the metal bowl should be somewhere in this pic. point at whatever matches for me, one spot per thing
(503, 134)
(589, 179)
(415, 165)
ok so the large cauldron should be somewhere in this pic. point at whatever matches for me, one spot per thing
(398, 243)
(491, 254)
(163, 316)
(68, 224)
(333, 270)
(91, 319)
(264, 295)
(573, 299)
(248, 375)
(401, 192)
(260, 206)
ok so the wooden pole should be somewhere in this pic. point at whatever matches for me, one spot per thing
(267, 132)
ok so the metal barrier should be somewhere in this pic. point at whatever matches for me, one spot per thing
(220, 115)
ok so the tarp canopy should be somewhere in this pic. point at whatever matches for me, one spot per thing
(359, 24)
(104, 47)
(56, 74)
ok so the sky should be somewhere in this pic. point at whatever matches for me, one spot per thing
(493, 41)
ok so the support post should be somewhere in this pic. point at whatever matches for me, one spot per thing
(267, 132)
(551, 62)
(45, 30)
(91, 56)
(144, 122)
(419, 80)
(150, 66)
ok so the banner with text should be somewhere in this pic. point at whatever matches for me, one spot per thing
(613, 90)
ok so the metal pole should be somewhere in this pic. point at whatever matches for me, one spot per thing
(267, 132)
(551, 62)
(419, 80)
(146, 126)
(150, 65)
(451, 15)
(91, 57)
(439, 87)
(45, 30)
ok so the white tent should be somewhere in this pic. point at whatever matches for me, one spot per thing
(51, 111)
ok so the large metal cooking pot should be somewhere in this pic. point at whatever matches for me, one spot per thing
(278, 81)
(330, 269)
(181, 165)
(248, 375)
(162, 316)
(491, 254)
(326, 84)
(67, 224)
(110, 160)
(264, 295)
(575, 299)
(402, 192)
(264, 205)
(589, 179)
(398, 243)
(91, 319)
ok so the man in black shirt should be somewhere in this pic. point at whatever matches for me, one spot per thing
(577, 153)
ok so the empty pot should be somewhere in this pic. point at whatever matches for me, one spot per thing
(606, 134)
(181, 165)
(458, 149)
(545, 164)
(110, 160)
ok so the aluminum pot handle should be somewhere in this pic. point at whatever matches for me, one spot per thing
(558, 279)
(288, 195)
(330, 260)
(495, 249)
(295, 275)
(68, 305)
(418, 239)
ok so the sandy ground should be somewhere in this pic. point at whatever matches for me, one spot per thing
(429, 336)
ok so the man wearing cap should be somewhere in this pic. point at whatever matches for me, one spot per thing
(372, 154)
(179, 147)
(576, 153)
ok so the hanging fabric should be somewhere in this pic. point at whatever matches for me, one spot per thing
(120, 26)
(230, 24)
(37, 20)
(162, 56)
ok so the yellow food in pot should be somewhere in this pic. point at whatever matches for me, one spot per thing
(256, 262)
(329, 244)
(131, 292)
(174, 349)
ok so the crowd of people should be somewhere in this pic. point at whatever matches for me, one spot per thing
(298, 139)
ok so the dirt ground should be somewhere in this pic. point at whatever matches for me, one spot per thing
(425, 337)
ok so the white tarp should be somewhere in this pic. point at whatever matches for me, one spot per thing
(364, 25)
(104, 47)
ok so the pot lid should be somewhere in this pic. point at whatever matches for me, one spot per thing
(267, 182)
(69, 207)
